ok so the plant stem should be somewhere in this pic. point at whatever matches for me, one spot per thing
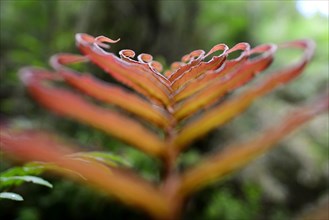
(170, 177)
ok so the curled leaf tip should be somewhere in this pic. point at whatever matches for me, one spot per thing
(104, 39)
(100, 40)
(57, 61)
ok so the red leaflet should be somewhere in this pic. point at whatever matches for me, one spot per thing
(69, 104)
(44, 148)
(197, 71)
(230, 108)
(238, 155)
(226, 82)
(209, 76)
(113, 94)
(181, 78)
(134, 75)
(179, 68)
(109, 93)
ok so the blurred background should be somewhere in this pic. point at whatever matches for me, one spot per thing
(286, 183)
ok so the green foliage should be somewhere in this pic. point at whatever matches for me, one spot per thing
(104, 157)
(27, 169)
(17, 180)
(224, 205)
(11, 196)
(16, 176)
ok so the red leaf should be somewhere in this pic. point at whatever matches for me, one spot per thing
(230, 108)
(109, 93)
(199, 68)
(220, 164)
(37, 146)
(227, 82)
(74, 106)
(209, 76)
(135, 75)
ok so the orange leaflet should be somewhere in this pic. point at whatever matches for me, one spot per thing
(238, 155)
(134, 75)
(179, 68)
(230, 108)
(107, 92)
(209, 76)
(74, 106)
(195, 67)
(199, 68)
(197, 71)
(145, 61)
(226, 82)
(37, 146)
(205, 80)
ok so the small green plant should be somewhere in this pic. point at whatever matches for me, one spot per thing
(169, 111)
(18, 175)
